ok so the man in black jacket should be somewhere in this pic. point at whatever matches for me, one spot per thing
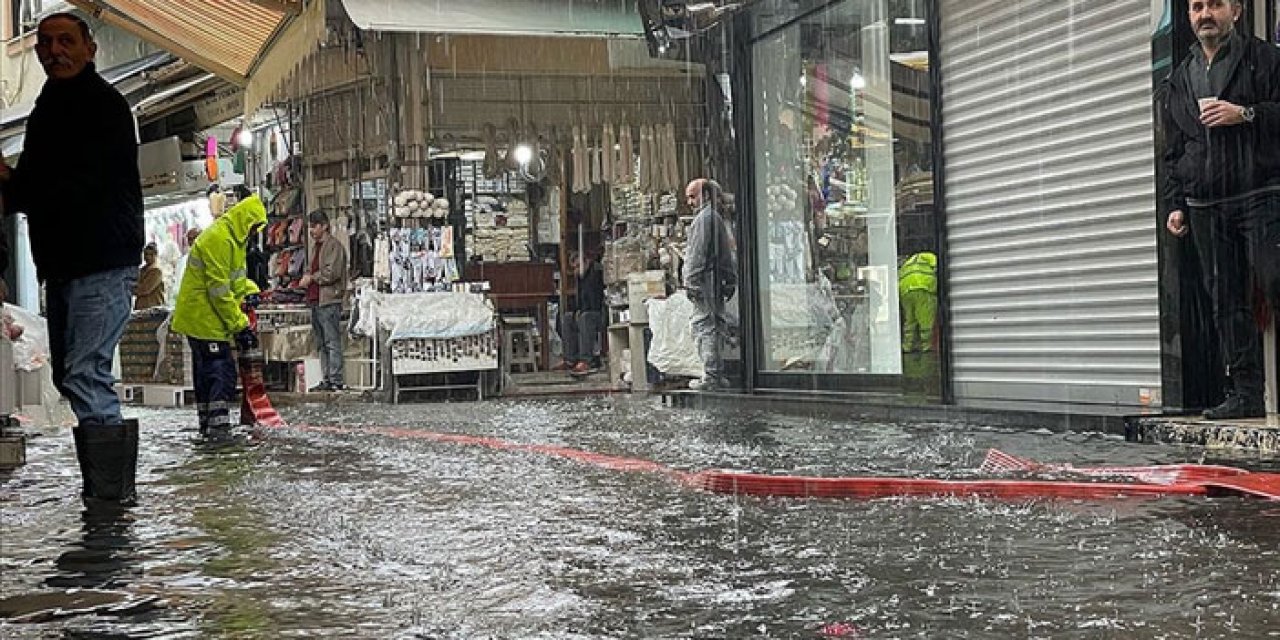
(580, 329)
(1222, 163)
(78, 183)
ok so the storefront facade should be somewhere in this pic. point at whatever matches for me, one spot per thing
(1018, 143)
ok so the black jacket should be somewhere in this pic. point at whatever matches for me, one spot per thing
(591, 288)
(77, 179)
(1209, 164)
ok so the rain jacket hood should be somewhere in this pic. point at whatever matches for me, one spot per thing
(243, 217)
(216, 281)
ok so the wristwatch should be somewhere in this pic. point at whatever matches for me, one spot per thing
(1247, 114)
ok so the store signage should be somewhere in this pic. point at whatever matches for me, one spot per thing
(218, 108)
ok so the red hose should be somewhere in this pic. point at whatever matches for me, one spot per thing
(1194, 480)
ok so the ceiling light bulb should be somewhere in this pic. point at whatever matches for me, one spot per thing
(524, 154)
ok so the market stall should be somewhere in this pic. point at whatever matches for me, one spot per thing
(431, 341)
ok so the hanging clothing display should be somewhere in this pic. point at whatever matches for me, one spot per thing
(625, 164)
(608, 154)
(166, 227)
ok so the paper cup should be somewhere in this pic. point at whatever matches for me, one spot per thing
(1205, 102)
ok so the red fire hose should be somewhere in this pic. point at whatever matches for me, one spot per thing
(1147, 481)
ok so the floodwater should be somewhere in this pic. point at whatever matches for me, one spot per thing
(368, 535)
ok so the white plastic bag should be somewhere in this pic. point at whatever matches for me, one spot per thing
(673, 351)
(31, 349)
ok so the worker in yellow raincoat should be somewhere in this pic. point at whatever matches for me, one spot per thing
(918, 293)
(209, 311)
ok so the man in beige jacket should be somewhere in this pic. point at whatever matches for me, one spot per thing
(326, 284)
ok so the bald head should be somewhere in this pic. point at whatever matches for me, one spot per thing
(701, 192)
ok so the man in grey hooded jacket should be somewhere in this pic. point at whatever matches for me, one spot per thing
(710, 278)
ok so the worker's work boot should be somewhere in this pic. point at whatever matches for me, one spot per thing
(108, 456)
(1238, 405)
(219, 435)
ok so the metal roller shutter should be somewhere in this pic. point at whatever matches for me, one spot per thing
(1050, 195)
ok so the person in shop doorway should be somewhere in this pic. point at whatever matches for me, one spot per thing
(710, 279)
(78, 184)
(326, 284)
(918, 294)
(1222, 184)
(210, 313)
(149, 291)
(580, 329)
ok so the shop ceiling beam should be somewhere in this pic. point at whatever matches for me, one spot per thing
(109, 15)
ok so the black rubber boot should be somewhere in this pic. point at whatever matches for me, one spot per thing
(108, 457)
(1238, 405)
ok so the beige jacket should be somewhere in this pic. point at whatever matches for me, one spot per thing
(332, 273)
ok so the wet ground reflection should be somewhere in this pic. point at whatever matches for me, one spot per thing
(363, 535)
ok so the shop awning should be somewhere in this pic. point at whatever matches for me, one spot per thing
(599, 18)
(251, 43)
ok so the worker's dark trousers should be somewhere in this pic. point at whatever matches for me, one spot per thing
(213, 372)
(1239, 248)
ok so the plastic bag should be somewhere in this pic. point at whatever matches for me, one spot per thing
(31, 349)
(673, 351)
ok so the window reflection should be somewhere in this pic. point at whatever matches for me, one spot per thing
(844, 189)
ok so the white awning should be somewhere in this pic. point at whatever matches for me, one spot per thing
(596, 18)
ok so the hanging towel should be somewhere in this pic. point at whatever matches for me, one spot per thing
(625, 171)
(608, 154)
(646, 161)
(596, 177)
(581, 163)
(671, 162)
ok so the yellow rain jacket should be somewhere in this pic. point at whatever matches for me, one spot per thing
(216, 280)
(919, 273)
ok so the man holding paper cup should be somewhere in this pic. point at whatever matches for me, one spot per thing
(1222, 182)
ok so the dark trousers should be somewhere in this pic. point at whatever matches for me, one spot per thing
(580, 335)
(1239, 249)
(213, 372)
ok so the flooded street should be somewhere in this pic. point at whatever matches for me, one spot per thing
(366, 535)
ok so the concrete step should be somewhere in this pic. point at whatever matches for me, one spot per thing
(1255, 434)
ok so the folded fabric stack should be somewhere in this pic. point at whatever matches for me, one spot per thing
(500, 230)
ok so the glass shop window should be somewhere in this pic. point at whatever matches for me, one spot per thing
(844, 196)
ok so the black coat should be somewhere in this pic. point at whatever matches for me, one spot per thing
(77, 179)
(591, 288)
(1209, 164)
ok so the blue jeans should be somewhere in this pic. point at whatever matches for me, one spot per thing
(326, 324)
(87, 316)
